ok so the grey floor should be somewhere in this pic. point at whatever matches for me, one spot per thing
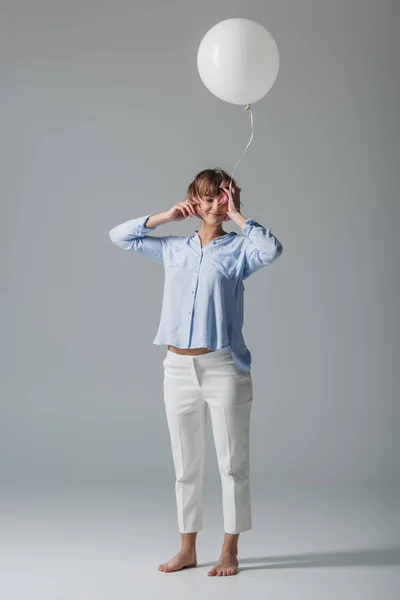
(307, 542)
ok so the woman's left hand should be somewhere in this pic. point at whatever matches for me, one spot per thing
(234, 200)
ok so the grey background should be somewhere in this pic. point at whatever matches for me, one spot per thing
(104, 118)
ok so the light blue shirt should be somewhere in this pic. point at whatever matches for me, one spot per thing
(203, 288)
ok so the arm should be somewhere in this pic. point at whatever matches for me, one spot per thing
(263, 247)
(133, 235)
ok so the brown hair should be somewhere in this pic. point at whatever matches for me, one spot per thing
(207, 183)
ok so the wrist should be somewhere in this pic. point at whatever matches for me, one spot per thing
(157, 219)
(238, 218)
(166, 216)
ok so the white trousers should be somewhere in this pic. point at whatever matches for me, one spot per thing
(192, 385)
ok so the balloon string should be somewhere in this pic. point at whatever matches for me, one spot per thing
(247, 109)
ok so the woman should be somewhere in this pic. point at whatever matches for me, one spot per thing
(207, 365)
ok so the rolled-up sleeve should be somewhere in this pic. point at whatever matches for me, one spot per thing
(133, 235)
(262, 249)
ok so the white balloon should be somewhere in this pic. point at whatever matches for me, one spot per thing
(238, 61)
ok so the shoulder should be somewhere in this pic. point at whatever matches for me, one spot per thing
(174, 241)
(238, 240)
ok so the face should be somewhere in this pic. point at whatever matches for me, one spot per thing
(213, 211)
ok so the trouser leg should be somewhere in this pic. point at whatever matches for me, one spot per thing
(228, 393)
(186, 414)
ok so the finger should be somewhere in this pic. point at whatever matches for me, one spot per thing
(183, 206)
(191, 206)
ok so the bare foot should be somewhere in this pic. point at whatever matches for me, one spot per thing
(227, 565)
(184, 559)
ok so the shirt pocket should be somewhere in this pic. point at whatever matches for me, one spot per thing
(175, 263)
(176, 259)
(224, 269)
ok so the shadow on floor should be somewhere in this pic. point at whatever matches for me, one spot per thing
(348, 558)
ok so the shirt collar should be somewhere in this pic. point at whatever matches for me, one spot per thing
(222, 239)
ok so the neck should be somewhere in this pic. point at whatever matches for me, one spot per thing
(209, 232)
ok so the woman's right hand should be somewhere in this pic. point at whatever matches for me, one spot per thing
(181, 210)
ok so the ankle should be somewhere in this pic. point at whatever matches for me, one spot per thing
(230, 544)
(188, 549)
(188, 542)
(229, 550)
